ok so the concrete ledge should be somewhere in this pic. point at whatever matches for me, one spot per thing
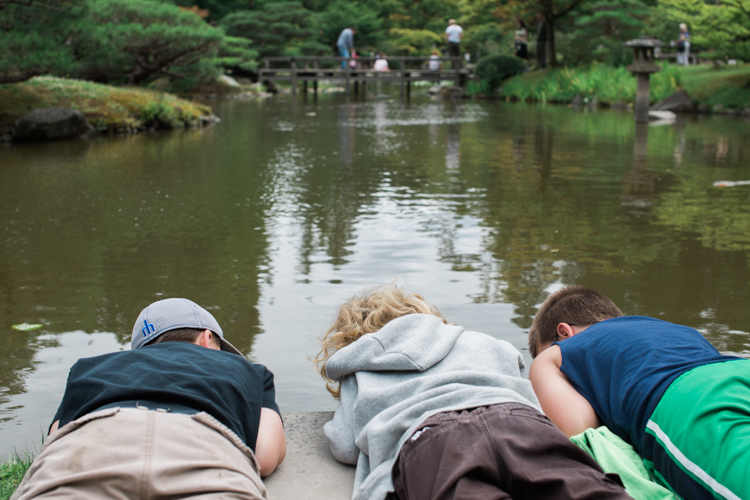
(309, 470)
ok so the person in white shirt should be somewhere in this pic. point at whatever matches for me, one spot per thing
(381, 64)
(435, 63)
(453, 36)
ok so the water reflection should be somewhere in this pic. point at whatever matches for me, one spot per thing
(274, 216)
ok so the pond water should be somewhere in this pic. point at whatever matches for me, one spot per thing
(274, 216)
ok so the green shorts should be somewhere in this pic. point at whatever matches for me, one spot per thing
(697, 442)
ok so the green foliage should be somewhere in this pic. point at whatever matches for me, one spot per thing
(608, 84)
(279, 29)
(408, 42)
(599, 31)
(494, 69)
(217, 8)
(722, 27)
(486, 39)
(37, 40)
(136, 39)
(341, 14)
(237, 54)
(12, 472)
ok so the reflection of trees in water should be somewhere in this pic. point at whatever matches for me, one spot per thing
(97, 236)
(333, 191)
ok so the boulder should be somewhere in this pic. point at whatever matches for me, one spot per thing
(52, 124)
(718, 108)
(228, 80)
(680, 101)
(662, 116)
(593, 102)
(577, 101)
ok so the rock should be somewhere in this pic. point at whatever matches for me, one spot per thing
(52, 124)
(577, 101)
(718, 108)
(271, 86)
(435, 89)
(680, 101)
(452, 92)
(593, 103)
(704, 108)
(746, 112)
(662, 115)
(228, 80)
(160, 83)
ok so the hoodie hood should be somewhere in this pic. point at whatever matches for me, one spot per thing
(414, 342)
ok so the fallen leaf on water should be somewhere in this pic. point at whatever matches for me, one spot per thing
(25, 327)
(554, 250)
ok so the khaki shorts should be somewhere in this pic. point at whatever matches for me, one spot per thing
(134, 453)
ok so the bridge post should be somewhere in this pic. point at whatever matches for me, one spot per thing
(348, 75)
(401, 76)
(294, 77)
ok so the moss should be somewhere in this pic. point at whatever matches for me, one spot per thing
(107, 108)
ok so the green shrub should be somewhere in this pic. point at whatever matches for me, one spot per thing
(12, 472)
(496, 68)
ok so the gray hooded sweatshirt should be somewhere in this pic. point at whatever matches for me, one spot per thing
(412, 368)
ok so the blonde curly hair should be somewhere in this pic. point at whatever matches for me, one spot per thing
(367, 312)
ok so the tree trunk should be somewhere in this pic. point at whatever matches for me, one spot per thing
(552, 50)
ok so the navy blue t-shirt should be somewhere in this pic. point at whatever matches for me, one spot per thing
(623, 366)
(226, 386)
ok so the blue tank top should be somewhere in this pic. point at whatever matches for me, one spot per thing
(623, 366)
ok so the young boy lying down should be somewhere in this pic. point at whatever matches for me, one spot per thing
(429, 410)
(661, 387)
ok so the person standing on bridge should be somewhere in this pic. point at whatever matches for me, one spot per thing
(345, 43)
(453, 36)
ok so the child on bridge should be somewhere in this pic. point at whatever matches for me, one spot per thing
(661, 387)
(431, 411)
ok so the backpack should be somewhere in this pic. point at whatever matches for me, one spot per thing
(681, 46)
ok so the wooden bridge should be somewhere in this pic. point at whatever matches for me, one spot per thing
(359, 70)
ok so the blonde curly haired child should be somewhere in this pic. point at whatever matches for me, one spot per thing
(428, 410)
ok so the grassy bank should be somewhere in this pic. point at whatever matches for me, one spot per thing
(107, 108)
(727, 85)
(11, 473)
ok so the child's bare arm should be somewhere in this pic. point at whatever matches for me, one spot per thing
(567, 409)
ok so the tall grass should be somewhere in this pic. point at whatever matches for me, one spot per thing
(608, 84)
(12, 472)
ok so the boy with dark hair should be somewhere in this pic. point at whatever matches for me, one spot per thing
(181, 415)
(661, 387)
(430, 411)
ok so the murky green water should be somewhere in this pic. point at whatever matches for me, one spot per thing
(272, 217)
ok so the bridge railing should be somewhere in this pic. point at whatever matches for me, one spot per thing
(402, 70)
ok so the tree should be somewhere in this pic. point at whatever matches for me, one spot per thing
(136, 39)
(601, 27)
(279, 29)
(554, 11)
(35, 37)
(340, 14)
(722, 26)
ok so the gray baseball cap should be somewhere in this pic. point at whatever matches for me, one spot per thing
(171, 314)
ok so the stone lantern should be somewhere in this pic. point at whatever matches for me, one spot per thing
(642, 67)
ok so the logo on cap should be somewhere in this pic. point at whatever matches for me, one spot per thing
(148, 326)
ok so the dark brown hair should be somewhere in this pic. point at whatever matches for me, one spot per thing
(575, 305)
(188, 335)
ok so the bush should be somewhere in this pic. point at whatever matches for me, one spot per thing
(496, 68)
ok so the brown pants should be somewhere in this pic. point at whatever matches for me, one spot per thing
(129, 453)
(504, 451)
